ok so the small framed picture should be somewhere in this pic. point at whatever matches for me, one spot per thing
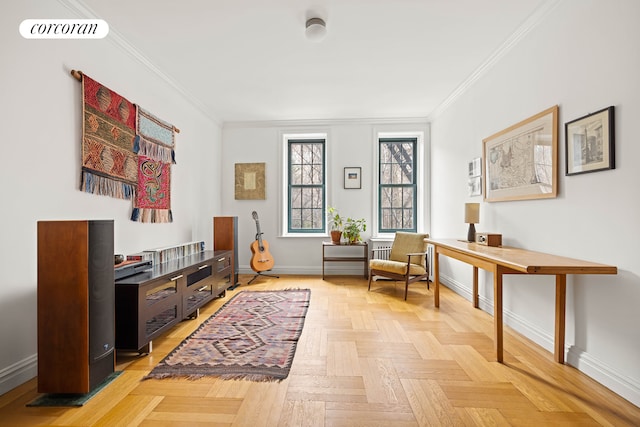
(352, 178)
(590, 143)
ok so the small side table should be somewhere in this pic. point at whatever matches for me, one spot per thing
(363, 259)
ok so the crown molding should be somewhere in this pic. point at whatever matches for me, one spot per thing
(82, 10)
(324, 122)
(527, 26)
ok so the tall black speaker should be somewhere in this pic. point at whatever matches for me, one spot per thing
(225, 237)
(76, 305)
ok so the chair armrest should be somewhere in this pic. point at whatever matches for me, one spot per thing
(409, 255)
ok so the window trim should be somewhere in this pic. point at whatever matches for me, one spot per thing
(284, 194)
(414, 185)
(420, 132)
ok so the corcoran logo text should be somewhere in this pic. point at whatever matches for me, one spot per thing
(64, 29)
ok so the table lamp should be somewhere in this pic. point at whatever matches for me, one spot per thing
(472, 217)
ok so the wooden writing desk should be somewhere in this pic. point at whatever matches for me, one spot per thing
(507, 260)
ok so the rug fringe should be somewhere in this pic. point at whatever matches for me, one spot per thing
(151, 215)
(195, 377)
(97, 184)
(152, 150)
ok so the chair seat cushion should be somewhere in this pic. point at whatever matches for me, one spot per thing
(396, 267)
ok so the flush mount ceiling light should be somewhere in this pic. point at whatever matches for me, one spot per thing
(316, 29)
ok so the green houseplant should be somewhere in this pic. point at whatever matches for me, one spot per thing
(353, 228)
(336, 224)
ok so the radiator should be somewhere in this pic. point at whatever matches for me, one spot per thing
(430, 262)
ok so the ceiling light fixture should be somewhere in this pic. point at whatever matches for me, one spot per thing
(316, 29)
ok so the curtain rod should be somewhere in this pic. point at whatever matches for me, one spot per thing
(78, 76)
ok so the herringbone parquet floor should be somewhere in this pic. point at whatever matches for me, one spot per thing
(364, 359)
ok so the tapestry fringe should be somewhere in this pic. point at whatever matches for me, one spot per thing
(152, 150)
(97, 184)
(151, 215)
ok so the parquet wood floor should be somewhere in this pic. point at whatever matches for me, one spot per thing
(364, 359)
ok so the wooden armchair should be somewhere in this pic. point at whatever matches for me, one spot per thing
(407, 260)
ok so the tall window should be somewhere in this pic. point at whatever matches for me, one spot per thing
(397, 189)
(306, 185)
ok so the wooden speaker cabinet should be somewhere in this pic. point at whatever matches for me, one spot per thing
(225, 237)
(76, 305)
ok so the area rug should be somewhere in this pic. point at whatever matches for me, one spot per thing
(52, 399)
(253, 336)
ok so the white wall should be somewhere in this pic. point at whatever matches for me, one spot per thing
(583, 56)
(349, 143)
(40, 173)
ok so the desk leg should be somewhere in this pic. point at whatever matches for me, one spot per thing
(561, 300)
(497, 313)
(476, 303)
(436, 278)
(322, 262)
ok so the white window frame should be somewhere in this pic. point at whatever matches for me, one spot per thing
(422, 165)
(285, 136)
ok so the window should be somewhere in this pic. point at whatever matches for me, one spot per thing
(397, 189)
(306, 185)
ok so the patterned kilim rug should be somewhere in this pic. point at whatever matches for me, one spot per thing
(253, 336)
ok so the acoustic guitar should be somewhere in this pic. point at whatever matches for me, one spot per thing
(261, 260)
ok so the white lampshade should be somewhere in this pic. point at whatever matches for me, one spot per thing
(316, 29)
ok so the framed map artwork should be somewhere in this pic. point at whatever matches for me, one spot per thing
(521, 162)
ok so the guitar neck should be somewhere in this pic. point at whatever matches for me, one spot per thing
(259, 234)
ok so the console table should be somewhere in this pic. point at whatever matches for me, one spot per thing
(503, 260)
(151, 302)
(363, 259)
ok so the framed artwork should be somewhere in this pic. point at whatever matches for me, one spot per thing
(521, 162)
(250, 181)
(590, 143)
(475, 178)
(352, 178)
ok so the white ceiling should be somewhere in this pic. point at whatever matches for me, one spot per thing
(248, 60)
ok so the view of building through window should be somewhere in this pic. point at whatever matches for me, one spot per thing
(397, 184)
(306, 183)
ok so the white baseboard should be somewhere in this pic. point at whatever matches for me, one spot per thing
(590, 366)
(310, 271)
(605, 375)
(18, 373)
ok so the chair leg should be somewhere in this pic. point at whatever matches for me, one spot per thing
(406, 287)
(370, 276)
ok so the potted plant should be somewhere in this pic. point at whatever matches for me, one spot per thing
(335, 222)
(353, 228)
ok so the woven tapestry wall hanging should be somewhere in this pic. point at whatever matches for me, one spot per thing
(109, 165)
(127, 152)
(154, 144)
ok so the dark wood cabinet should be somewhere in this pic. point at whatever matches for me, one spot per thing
(150, 303)
(75, 305)
(225, 237)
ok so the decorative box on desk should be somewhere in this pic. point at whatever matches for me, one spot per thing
(151, 302)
